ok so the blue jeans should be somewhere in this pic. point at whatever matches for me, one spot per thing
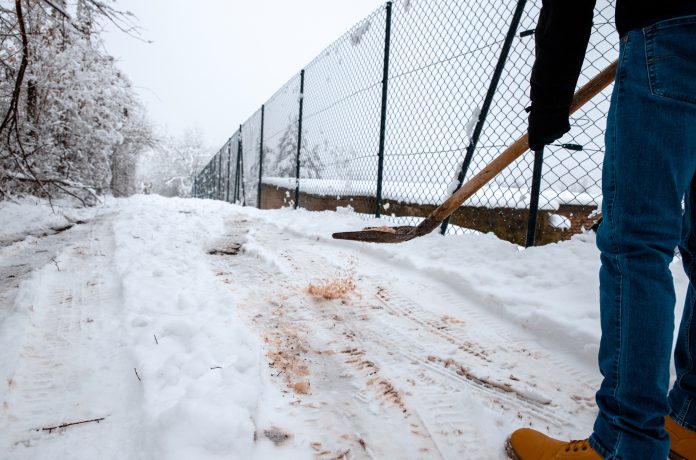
(649, 168)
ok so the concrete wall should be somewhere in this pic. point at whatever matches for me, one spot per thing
(507, 223)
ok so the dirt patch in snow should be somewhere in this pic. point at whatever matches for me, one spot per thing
(339, 286)
(505, 387)
(276, 435)
(287, 351)
(336, 288)
(229, 250)
(383, 387)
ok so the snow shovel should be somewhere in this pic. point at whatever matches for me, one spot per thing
(520, 146)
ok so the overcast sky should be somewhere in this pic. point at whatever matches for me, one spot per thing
(214, 62)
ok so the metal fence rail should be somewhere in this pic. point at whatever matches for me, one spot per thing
(405, 106)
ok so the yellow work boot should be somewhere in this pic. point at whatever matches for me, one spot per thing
(527, 444)
(683, 441)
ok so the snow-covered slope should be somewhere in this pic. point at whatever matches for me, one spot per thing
(190, 329)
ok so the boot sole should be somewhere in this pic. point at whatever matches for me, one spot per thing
(513, 455)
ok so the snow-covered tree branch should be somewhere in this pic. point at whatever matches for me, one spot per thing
(70, 118)
(169, 169)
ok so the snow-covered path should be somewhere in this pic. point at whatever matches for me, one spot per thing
(64, 344)
(405, 366)
(197, 330)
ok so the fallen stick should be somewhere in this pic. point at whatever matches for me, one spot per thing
(65, 425)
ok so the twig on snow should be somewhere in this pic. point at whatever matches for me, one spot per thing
(65, 425)
(55, 262)
(136, 374)
(155, 336)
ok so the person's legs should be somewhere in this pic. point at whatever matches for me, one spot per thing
(649, 164)
(683, 395)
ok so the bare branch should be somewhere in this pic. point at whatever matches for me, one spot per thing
(58, 9)
(65, 425)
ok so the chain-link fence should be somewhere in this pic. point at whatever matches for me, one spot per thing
(222, 178)
(406, 106)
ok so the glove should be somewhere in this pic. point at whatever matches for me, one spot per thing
(546, 126)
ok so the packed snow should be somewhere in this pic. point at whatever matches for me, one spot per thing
(154, 328)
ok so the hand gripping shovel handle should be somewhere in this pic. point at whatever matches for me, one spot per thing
(512, 153)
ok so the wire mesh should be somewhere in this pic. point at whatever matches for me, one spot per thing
(571, 181)
(280, 143)
(231, 153)
(251, 155)
(341, 122)
(441, 62)
(206, 182)
(443, 58)
(225, 165)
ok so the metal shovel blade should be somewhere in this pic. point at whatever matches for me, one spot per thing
(379, 234)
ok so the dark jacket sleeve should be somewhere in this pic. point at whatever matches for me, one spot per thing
(561, 38)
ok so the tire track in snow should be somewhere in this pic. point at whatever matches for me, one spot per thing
(20, 258)
(499, 340)
(355, 407)
(495, 336)
(392, 332)
(73, 323)
(444, 398)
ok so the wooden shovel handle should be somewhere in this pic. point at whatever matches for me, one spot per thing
(520, 146)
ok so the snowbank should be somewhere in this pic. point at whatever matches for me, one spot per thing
(34, 216)
(200, 367)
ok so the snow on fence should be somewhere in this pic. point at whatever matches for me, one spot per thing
(413, 100)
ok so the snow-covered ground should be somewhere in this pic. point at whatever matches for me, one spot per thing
(191, 329)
